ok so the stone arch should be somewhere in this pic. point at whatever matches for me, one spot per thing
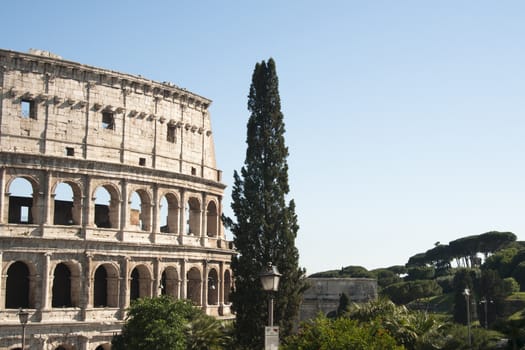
(169, 213)
(105, 346)
(105, 286)
(106, 198)
(67, 204)
(140, 282)
(170, 282)
(66, 285)
(20, 285)
(227, 286)
(213, 287)
(64, 347)
(194, 280)
(193, 215)
(212, 219)
(23, 200)
(140, 209)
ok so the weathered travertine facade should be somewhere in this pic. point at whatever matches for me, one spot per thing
(136, 161)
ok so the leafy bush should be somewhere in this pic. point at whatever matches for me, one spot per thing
(446, 283)
(342, 333)
(510, 286)
(519, 275)
(421, 273)
(404, 292)
(164, 323)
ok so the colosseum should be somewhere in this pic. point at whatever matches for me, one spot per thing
(111, 193)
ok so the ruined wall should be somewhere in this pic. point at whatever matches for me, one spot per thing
(75, 264)
(324, 293)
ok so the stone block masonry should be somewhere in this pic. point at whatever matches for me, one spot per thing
(110, 193)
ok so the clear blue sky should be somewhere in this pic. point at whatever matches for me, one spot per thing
(405, 119)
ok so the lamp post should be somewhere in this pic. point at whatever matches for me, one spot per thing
(23, 317)
(466, 293)
(270, 283)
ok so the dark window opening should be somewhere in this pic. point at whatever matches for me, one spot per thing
(17, 286)
(213, 290)
(102, 216)
(28, 109)
(101, 287)
(70, 151)
(193, 171)
(21, 202)
(108, 121)
(135, 285)
(171, 136)
(194, 286)
(227, 287)
(62, 287)
(63, 213)
(163, 282)
(20, 210)
(142, 161)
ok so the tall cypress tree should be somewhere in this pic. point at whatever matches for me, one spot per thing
(266, 226)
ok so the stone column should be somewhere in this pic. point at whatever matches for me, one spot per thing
(220, 283)
(182, 216)
(183, 280)
(88, 204)
(48, 203)
(124, 286)
(157, 277)
(220, 231)
(204, 285)
(88, 285)
(83, 342)
(124, 212)
(155, 222)
(204, 220)
(2, 282)
(45, 302)
(4, 200)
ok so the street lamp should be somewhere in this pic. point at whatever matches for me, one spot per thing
(270, 283)
(466, 293)
(23, 317)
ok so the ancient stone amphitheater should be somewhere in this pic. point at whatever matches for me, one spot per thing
(110, 193)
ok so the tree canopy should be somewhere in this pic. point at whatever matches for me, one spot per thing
(163, 323)
(266, 226)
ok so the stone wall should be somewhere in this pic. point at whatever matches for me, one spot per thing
(76, 264)
(324, 293)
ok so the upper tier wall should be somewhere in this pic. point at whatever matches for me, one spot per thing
(58, 108)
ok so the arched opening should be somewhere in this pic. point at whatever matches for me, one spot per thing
(213, 287)
(140, 284)
(193, 213)
(67, 204)
(170, 282)
(17, 286)
(103, 347)
(140, 211)
(169, 214)
(227, 286)
(194, 285)
(105, 291)
(100, 298)
(106, 207)
(21, 202)
(212, 220)
(62, 286)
